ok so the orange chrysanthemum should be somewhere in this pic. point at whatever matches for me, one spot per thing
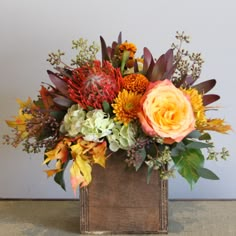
(126, 106)
(135, 83)
(128, 47)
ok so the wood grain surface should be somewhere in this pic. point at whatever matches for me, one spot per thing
(119, 200)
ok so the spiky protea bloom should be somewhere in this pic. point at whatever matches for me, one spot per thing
(135, 83)
(91, 85)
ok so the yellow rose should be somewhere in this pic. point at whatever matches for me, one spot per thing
(166, 112)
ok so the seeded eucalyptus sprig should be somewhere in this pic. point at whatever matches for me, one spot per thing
(187, 63)
(214, 155)
(54, 58)
(86, 53)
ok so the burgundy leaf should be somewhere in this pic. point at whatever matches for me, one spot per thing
(109, 52)
(205, 86)
(163, 65)
(148, 60)
(169, 57)
(189, 80)
(136, 66)
(62, 101)
(58, 82)
(149, 71)
(120, 38)
(170, 72)
(185, 81)
(105, 56)
(65, 72)
(113, 49)
(210, 98)
(158, 69)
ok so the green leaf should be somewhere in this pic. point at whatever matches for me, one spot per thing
(106, 107)
(124, 59)
(89, 108)
(149, 173)
(187, 164)
(59, 177)
(151, 150)
(140, 157)
(198, 145)
(59, 115)
(194, 134)
(205, 136)
(178, 149)
(207, 174)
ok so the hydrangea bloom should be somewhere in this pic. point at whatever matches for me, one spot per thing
(122, 137)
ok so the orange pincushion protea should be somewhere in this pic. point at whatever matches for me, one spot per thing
(91, 85)
(135, 83)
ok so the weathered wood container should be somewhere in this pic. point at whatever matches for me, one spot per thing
(119, 201)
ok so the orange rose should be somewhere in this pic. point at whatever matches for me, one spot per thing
(166, 112)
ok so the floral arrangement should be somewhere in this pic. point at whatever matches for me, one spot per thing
(152, 109)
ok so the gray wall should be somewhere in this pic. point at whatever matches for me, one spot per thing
(29, 29)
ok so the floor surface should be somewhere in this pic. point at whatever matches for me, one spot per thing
(61, 218)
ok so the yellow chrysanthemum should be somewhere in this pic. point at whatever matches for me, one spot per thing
(126, 106)
(135, 83)
(197, 104)
(202, 123)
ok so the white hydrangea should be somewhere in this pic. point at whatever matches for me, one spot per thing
(122, 137)
(73, 120)
(97, 125)
(93, 125)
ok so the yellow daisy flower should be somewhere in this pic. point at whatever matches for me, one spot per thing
(126, 106)
(202, 123)
(197, 104)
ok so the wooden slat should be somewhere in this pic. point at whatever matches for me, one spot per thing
(120, 201)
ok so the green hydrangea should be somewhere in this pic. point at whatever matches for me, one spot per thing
(73, 120)
(122, 137)
(97, 125)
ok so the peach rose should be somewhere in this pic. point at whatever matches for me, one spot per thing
(166, 112)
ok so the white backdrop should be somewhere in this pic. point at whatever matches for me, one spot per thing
(29, 29)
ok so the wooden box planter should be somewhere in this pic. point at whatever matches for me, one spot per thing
(119, 201)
